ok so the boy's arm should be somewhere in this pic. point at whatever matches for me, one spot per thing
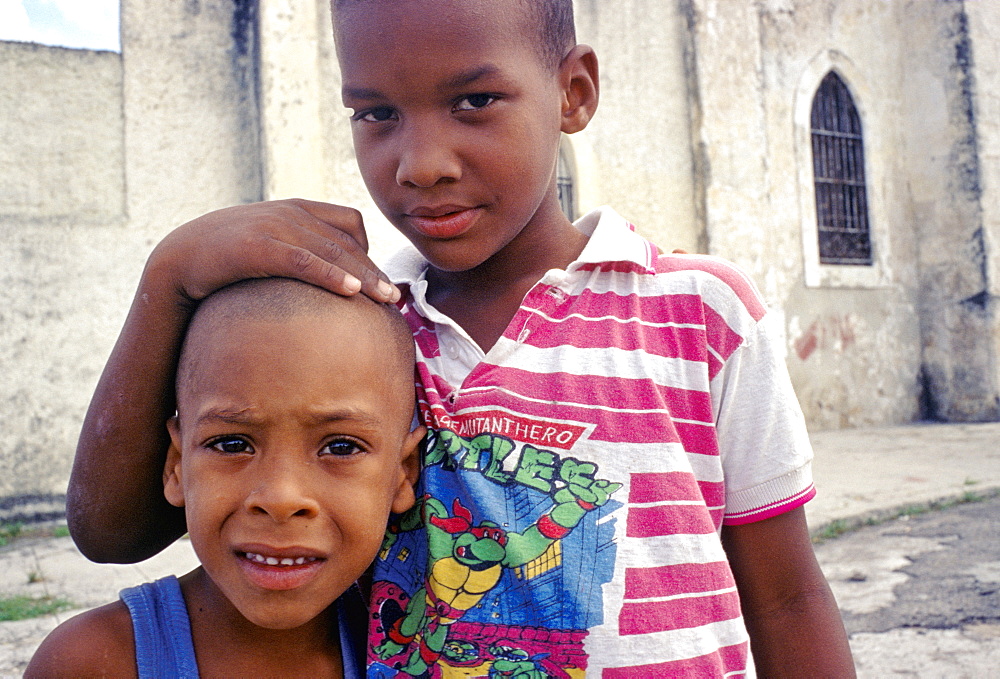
(98, 643)
(794, 624)
(115, 505)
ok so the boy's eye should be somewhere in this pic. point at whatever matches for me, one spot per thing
(231, 445)
(474, 102)
(341, 447)
(375, 115)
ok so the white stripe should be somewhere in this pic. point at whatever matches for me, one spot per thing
(610, 362)
(666, 646)
(683, 595)
(713, 291)
(667, 503)
(624, 321)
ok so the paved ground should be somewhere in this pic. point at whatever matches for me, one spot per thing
(860, 474)
(920, 595)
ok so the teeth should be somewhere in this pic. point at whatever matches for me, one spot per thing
(275, 561)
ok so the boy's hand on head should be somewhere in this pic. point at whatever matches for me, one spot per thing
(318, 243)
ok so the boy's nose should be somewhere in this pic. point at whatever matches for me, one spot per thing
(426, 158)
(282, 492)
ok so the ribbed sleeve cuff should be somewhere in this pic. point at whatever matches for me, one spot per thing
(771, 498)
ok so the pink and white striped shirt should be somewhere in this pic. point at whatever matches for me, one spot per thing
(579, 473)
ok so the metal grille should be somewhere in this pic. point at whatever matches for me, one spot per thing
(564, 182)
(839, 171)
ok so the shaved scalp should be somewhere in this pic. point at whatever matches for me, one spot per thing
(552, 19)
(277, 299)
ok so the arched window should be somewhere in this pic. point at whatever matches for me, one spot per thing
(564, 182)
(839, 175)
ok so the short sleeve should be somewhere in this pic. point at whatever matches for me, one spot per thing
(763, 442)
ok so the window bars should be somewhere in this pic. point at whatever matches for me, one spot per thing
(839, 171)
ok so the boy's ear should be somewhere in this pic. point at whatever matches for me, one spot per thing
(581, 88)
(173, 489)
(409, 471)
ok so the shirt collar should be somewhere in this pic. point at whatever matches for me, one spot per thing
(612, 239)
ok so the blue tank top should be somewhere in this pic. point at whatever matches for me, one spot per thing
(162, 629)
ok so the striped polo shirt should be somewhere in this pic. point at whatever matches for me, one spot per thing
(577, 475)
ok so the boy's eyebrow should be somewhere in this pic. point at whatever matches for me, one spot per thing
(468, 77)
(242, 416)
(363, 93)
(246, 416)
(457, 81)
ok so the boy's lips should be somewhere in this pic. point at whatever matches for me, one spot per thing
(446, 221)
(279, 569)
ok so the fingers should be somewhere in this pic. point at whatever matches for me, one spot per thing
(333, 253)
(326, 264)
(345, 219)
(324, 245)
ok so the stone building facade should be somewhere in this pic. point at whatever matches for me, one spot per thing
(704, 139)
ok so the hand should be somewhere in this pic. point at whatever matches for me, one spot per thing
(317, 243)
(581, 484)
(387, 649)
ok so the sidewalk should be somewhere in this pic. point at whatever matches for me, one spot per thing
(859, 474)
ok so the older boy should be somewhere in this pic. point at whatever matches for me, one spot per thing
(290, 447)
(615, 445)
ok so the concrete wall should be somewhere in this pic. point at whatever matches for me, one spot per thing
(190, 102)
(62, 212)
(852, 336)
(103, 154)
(636, 154)
(306, 129)
(914, 334)
(62, 131)
(984, 34)
(701, 139)
(956, 207)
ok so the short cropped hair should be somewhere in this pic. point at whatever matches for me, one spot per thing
(283, 298)
(557, 30)
(553, 21)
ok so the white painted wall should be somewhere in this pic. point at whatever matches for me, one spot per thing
(700, 139)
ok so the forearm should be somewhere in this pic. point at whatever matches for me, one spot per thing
(803, 637)
(115, 505)
(791, 615)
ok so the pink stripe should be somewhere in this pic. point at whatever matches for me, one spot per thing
(648, 522)
(668, 581)
(688, 344)
(617, 267)
(771, 510)
(686, 309)
(726, 272)
(661, 487)
(610, 425)
(682, 613)
(698, 438)
(721, 338)
(728, 660)
(666, 486)
(423, 332)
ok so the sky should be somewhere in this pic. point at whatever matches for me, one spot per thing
(91, 24)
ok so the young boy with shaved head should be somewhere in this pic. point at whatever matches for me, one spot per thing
(616, 466)
(290, 447)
